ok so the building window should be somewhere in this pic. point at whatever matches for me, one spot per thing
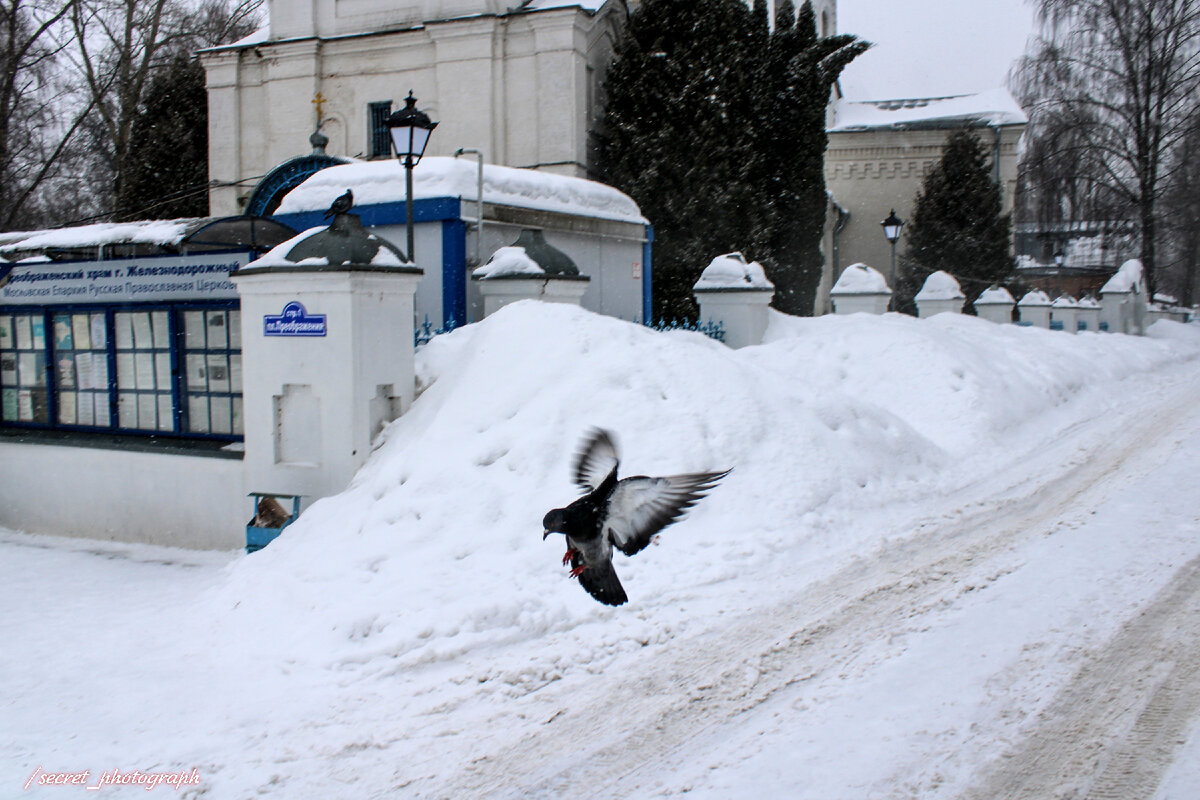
(173, 369)
(23, 358)
(81, 369)
(213, 355)
(380, 145)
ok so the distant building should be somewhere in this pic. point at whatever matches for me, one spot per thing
(880, 152)
(1074, 258)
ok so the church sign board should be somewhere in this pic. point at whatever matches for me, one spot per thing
(151, 279)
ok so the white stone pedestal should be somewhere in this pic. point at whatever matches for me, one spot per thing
(328, 361)
(742, 313)
(501, 290)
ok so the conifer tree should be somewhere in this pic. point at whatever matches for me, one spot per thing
(956, 224)
(678, 101)
(167, 176)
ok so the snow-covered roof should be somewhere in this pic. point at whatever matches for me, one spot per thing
(155, 232)
(860, 279)
(1035, 298)
(994, 107)
(1129, 278)
(940, 286)
(995, 296)
(376, 182)
(732, 271)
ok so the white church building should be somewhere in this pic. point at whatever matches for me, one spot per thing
(521, 83)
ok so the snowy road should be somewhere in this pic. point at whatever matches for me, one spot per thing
(1101, 715)
(1025, 627)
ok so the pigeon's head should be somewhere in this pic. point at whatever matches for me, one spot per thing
(553, 522)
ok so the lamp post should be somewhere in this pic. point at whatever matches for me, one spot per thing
(891, 230)
(410, 129)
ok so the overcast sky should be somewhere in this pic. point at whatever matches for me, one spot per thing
(932, 48)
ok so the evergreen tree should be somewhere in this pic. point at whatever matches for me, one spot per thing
(167, 176)
(956, 224)
(794, 88)
(675, 135)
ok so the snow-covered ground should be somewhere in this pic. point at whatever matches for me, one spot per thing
(953, 559)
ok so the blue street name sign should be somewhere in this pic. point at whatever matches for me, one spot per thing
(294, 320)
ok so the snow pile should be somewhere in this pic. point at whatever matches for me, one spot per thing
(277, 256)
(860, 279)
(377, 182)
(436, 549)
(1065, 301)
(508, 261)
(1129, 278)
(994, 296)
(732, 271)
(940, 286)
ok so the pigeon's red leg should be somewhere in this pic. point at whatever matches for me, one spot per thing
(567, 557)
(576, 572)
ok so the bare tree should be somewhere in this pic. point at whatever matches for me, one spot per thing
(39, 119)
(1113, 84)
(119, 46)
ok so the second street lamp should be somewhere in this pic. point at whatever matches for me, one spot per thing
(891, 230)
(410, 128)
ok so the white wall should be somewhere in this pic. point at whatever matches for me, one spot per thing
(190, 501)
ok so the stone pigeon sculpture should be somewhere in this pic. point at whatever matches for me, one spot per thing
(341, 205)
(625, 514)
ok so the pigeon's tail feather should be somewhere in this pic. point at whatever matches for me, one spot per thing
(600, 581)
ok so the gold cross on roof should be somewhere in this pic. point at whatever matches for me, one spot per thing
(319, 101)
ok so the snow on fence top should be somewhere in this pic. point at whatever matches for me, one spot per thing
(376, 182)
(995, 296)
(940, 285)
(1128, 278)
(1065, 301)
(731, 271)
(995, 107)
(509, 261)
(860, 279)
(1035, 298)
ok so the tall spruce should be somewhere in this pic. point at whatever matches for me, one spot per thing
(956, 224)
(797, 79)
(675, 135)
(716, 127)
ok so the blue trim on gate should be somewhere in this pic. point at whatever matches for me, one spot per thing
(284, 178)
(454, 273)
(647, 276)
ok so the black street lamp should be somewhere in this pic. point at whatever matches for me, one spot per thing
(410, 129)
(891, 230)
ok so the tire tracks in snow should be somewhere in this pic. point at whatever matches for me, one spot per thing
(622, 740)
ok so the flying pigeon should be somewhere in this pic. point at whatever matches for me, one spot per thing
(622, 513)
(341, 205)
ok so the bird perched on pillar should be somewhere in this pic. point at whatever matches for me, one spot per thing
(625, 514)
(341, 205)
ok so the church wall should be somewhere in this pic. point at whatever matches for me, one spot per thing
(516, 87)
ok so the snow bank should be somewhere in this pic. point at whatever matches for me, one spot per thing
(383, 182)
(436, 548)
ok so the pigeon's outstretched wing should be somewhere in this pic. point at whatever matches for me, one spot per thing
(640, 507)
(596, 460)
(600, 579)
